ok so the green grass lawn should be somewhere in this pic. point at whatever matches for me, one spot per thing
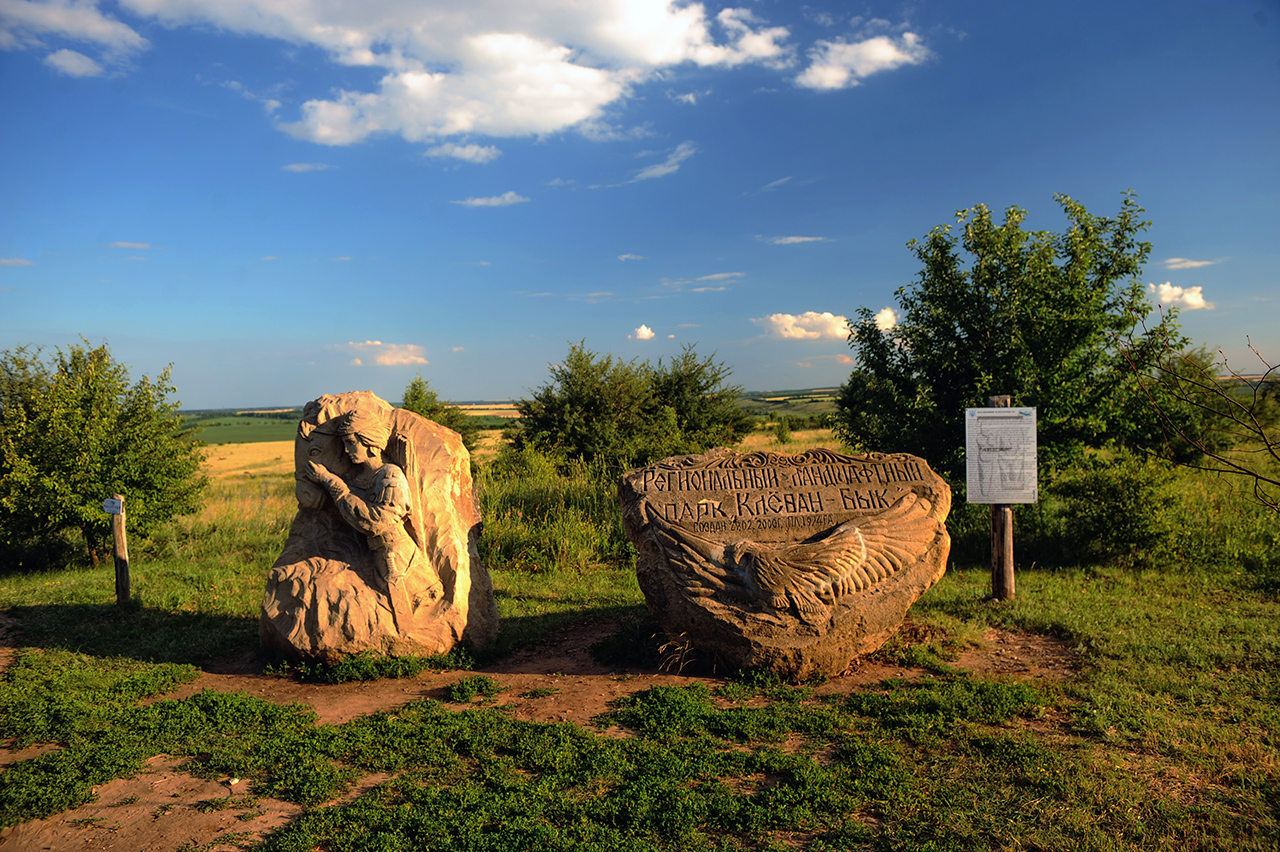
(1164, 736)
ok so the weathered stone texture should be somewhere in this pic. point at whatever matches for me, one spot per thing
(796, 564)
(382, 555)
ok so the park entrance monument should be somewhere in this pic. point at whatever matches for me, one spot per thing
(382, 555)
(790, 563)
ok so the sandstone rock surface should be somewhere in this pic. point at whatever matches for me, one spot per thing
(791, 563)
(382, 555)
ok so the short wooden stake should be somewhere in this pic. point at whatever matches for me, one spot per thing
(1002, 584)
(120, 551)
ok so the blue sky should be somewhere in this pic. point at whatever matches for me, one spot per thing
(284, 199)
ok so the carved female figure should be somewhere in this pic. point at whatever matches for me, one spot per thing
(383, 553)
(376, 500)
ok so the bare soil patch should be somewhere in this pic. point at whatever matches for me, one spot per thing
(165, 810)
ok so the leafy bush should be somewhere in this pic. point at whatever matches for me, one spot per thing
(622, 414)
(782, 430)
(1116, 509)
(73, 432)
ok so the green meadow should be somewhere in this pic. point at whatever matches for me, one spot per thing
(1162, 734)
(239, 427)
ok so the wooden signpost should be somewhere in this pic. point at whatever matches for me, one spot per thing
(114, 506)
(1000, 454)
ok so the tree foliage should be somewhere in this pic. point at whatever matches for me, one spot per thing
(421, 399)
(622, 414)
(998, 309)
(73, 432)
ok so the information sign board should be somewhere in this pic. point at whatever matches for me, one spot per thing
(1000, 455)
(112, 506)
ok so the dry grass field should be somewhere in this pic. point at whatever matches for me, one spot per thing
(266, 458)
(491, 409)
(801, 440)
(275, 458)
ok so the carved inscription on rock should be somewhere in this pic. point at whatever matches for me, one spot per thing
(794, 563)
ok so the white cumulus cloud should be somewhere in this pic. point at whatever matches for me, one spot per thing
(444, 69)
(24, 23)
(641, 333)
(14, 261)
(488, 67)
(1190, 298)
(73, 63)
(469, 153)
(631, 257)
(506, 199)
(886, 319)
(809, 325)
(387, 354)
(842, 64)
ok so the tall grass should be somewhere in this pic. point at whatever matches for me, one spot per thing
(542, 516)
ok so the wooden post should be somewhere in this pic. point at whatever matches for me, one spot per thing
(1002, 585)
(120, 551)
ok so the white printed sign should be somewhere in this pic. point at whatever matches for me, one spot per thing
(1000, 455)
(112, 506)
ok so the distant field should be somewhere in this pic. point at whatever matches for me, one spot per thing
(241, 428)
(232, 426)
(490, 409)
(802, 403)
(263, 458)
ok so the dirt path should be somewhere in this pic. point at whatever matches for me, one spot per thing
(166, 810)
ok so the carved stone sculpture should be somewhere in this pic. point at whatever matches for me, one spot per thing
(382, 553)
(795, 564)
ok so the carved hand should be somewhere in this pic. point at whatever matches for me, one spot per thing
(319, 474)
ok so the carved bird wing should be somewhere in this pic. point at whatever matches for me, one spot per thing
(812, 575)
(697, 563)
(852, 558)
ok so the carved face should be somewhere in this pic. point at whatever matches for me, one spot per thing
(357, 451)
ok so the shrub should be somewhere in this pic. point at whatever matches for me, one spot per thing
(1049, 318)
(1116, 509)
(73, 432)
(622, 414)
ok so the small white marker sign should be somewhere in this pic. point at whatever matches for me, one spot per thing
(112, 506)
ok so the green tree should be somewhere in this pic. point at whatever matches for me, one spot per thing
(1041, 316)
(73, 431)
(421, 399)
(626, 413)
(704, 405)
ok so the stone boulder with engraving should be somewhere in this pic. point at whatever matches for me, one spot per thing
(382, 555)
(789, 563)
